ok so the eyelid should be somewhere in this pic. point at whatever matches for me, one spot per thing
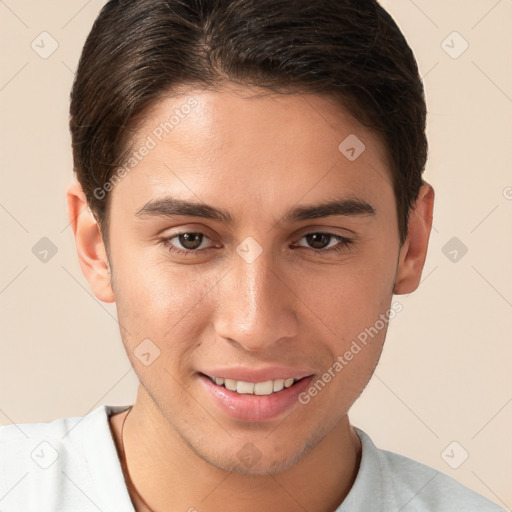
(330, 230)
(334, 236)
(167, 242)
(343, 242)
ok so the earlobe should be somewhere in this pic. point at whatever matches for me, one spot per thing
(90, 248)
(414, 250)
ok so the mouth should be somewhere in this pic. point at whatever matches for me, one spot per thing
(241, 387)
(254, 402)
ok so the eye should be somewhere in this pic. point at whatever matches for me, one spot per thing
(192, 242)
(189, 241)
(320, 240)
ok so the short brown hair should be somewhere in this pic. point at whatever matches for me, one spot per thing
(140, 50)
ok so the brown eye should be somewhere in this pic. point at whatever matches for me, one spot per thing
(318, 240)
(326, 243)
(186, 243)
(190, 241)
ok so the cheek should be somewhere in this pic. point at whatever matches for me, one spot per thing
(356, 306)
(164, 301)
(155, 299)
(352, 296)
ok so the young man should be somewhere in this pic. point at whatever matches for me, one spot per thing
(249, 194)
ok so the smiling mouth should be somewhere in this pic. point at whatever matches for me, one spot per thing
(268, 387)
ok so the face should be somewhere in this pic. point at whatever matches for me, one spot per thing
(259, 283)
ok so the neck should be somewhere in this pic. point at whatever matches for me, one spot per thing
(317, 482)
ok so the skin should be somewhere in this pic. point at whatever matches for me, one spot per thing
(257, 158)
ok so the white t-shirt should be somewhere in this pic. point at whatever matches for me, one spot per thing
(71, 464)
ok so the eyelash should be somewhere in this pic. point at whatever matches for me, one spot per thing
(345, 243)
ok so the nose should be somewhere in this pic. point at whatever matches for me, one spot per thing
(257, 305)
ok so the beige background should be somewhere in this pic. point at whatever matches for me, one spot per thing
(445, 374)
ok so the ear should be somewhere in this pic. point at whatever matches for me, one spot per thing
(414, 250)
(91, 251)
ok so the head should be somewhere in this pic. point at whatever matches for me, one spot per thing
(297, 129)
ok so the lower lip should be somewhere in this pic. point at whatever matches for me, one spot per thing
(255, 408)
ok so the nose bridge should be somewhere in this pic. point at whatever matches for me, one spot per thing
(256, 306)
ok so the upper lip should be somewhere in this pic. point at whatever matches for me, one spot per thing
(256, 374)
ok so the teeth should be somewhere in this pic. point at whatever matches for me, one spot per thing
(264, 388)
(288, 383)
(246, 388)
(278, 385)
(250, 388)
(230, 384)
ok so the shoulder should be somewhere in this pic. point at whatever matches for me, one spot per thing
(430, 489)
(49, 466)
(37, 445)
(415, 487)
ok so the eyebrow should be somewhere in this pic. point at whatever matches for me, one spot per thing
(171, 207)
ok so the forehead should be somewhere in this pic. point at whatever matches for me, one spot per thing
(235, 142)
(246, 116)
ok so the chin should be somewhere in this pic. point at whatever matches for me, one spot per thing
(249, 460)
